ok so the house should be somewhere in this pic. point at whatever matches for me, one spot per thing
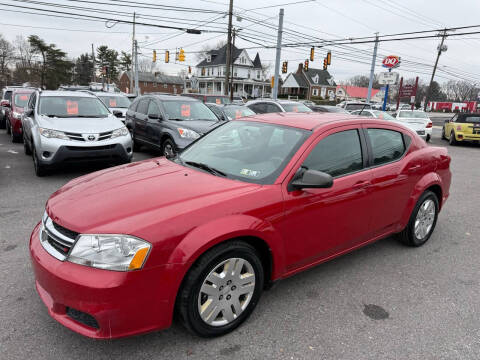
(152, 82)
(347, 92)
(311, 83)
(249, 78)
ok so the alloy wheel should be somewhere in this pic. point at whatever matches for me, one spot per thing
(425, 219)
(226, 292)
(168, 151)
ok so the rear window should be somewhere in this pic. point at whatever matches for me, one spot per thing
(217, 100)
(299, 107)
(412, 114)
(115, 101)
(351, 107)
(474, 119)
(21, 100)
(235, 112)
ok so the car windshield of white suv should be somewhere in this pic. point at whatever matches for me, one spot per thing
(115, 101)
(296, 107)
(72, 106)
(248, 151)
(187, 110)
(412, 115)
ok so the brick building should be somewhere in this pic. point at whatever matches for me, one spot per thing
(149, 82)
(311, 83)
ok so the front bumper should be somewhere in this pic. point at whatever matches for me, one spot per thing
(115, 304)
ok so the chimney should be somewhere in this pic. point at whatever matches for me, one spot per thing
(300, 68)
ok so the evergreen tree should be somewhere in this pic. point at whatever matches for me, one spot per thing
(83, 69)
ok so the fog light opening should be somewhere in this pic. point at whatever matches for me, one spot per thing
(46, 154)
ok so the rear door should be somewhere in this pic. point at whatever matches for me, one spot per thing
(140, 128)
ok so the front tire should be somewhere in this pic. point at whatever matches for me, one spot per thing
(169, 150)
(422, 221)
(221, 289)
(26, 147)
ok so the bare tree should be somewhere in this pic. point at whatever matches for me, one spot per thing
(363, 81)
(146, 65)
(202, 54)
(26, 67)
(6, 57)
(460, 90)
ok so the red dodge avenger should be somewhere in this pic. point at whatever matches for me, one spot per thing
(119, 251)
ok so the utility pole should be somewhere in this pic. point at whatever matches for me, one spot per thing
(229, 48)
(372, 69)
(94, 74)
(231, 77)
(136, 68)
(133, 54)
(440, 49)
(277, 56)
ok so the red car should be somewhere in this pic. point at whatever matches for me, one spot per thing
(254, 201)
(14, 113)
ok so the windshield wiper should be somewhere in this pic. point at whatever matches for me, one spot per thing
(206, 167)
(175, 119)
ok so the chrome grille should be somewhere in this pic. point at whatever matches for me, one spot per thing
(55, 239)
(104, 135)
(81, 137)
(75, 136)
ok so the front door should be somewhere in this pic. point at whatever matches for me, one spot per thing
(322, 222)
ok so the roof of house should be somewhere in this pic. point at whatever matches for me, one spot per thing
(323, 77)
(356, 91)
(219, 57)
(300, 80)
(159, 78)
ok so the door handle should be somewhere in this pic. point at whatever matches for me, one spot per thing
(361, 184)
(414, 168)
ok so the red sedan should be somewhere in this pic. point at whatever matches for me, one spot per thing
(254, 201)
(14, 114)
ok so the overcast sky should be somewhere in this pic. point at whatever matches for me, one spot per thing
(321, 19)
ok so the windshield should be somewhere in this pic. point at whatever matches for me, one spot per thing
(72, 106)
(217, 100)
(412, 114)
(248, 151)
(115, 101)
(296, 107)
(351, 107)
(188, 110)
(21, 100)
(382, 115)
(235, 112)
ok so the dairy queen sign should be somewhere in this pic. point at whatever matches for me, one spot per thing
(391, 62)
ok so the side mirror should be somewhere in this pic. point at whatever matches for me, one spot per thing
(312, 179)
(28, 112)
(117, 113)
(5, 103)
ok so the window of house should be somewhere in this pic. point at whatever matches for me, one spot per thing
(209, 58)
(337, 154)
(154, 84)
(165, 86)
(387, 145)
(315, 92)
(258, 74)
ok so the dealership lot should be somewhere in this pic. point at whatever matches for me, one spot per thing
(383, 301)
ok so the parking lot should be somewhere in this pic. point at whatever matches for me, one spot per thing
(385, 301)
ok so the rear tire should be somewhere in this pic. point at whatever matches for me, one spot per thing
(7, 126)
(444, 137)
(216, 308)
(452, 140)
(422, 221)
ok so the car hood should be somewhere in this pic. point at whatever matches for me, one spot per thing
(132, 196)
(199, 126)
(81, 125)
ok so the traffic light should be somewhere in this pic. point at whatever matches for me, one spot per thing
(305, 65)
(167, 56)
(325, 63)
(154, 56)
(181, 55)
(329, 58)
(312, 53)
(189, 69)
(284, 67)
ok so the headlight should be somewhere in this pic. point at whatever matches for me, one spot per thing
(188, 134)
(110, 252)
(17, 115)
(48, 133)
(123, 131)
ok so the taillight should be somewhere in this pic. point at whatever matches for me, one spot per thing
(429, 125)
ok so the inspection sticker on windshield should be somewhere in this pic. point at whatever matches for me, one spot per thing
(72, 107)
(185, 110)
(248, 172)
(112, 102)
(23, 97)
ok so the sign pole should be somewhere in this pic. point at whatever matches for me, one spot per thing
(415, 93)
(399, 91)
(385, 99)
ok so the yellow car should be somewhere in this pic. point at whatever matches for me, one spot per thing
(462, 127)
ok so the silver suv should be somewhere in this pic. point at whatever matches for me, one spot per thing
(72, 126)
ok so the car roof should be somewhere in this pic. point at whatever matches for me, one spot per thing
(305, 121)
(63, 93)
(24, 91)
(170, 97)
(100, 93)
(273, 101)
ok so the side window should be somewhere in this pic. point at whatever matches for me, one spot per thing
(337, 154)
(259, 108)
(153, 108)
(142, 106)
(387, 145)
(365, 113)
(272, 108)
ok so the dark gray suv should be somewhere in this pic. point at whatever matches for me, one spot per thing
(168, 122)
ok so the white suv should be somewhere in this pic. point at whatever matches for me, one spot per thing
(72, 126)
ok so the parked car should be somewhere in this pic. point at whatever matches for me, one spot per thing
(117, 103)
(462, 127)
(417, 127)
(256, 200)
(264, 106)
(168, 122)
(215, 99)
(230, 112)
(72, 126)
(13, 114)
(5, 102)
(308, 103)
(354, 105)
(238, 100)
(330, 109)
(416, 117)
(405, 107)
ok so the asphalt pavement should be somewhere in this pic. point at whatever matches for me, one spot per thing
(384, 301)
